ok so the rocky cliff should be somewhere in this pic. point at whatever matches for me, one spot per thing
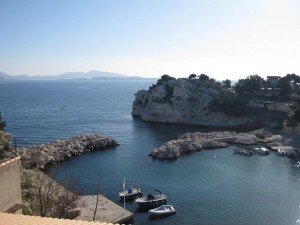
(181, 101)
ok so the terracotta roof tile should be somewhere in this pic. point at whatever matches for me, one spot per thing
(16, 219)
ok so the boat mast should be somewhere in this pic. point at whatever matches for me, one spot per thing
(123, 187)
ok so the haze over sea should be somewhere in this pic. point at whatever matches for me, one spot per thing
(211, 187)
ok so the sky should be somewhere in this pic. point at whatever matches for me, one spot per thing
(225, 39)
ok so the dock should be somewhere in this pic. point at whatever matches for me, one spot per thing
(107, 211)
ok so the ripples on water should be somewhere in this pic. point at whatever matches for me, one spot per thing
(209, 187)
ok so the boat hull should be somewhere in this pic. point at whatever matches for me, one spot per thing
(240, 151)
(130, 197)
(152, 204)
(146, 203)
(262, 151)
(130, 194)
(162, 211)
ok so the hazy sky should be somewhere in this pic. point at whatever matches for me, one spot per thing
(221, 38)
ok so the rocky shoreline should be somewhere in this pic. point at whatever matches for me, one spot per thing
(191, 142)
(44, 155)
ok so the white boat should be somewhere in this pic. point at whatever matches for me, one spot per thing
(262, 150)
(152, 201)
(163, 210)
(131, 193)
(241, 151)
(281, 152)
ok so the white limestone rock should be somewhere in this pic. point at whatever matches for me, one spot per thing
(181, 101)
(41, 155)
(191, 142)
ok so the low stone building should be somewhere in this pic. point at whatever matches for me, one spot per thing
(10, 186)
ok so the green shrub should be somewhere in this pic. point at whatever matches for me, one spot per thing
(229, 104)
(169, 93)
(2, 123)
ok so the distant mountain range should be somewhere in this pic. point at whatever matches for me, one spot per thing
(92, 75)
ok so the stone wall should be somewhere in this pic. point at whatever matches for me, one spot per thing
(10, 183)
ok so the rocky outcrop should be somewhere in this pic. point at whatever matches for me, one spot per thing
(191, 142)
(181, 101)
(40, 156)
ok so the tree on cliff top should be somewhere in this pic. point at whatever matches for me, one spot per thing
(226, 83)
(203, 77)
(251, 84)
(192, 76)
(164, 78)
(2, 123)
(229, 104)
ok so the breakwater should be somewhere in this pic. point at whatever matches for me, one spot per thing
(41, 156)
(198, 141)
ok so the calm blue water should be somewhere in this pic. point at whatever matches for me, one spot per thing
(208, 187)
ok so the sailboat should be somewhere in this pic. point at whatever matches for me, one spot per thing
(131, 193)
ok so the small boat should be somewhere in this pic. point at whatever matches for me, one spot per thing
(281, 152)
(262, 150)
(152, 201)
(163, 210)
(241, 151)
(291, 152)
(130, 194)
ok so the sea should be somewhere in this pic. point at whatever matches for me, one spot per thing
(211, 187)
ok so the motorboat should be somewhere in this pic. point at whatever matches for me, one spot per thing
(291, 152)
(241, 151)
(151, 201)
(163, 210)
(131, 193)
(281, 152)
(262, 150)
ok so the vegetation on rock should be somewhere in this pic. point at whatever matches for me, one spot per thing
(2, 123)
(201, 100)
(43, 196)
(228, 103)
(4, 143)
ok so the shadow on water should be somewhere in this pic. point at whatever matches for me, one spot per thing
(157, 217)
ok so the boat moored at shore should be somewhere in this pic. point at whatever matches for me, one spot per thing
(131, 193)
(262, 150)
(152, 201)
(164, 210)
(241, 151)
(281, 152)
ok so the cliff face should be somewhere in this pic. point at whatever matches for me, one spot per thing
(181, 101)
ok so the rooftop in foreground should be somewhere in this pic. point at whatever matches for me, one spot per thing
(17, 219)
